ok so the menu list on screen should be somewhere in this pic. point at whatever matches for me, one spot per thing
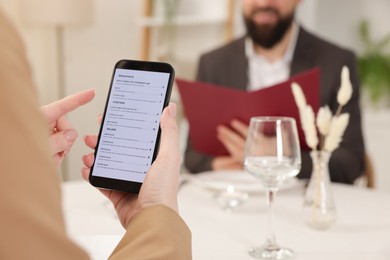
(131, 124)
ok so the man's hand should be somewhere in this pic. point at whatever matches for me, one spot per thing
(234, 142)
(161, 182)
(225, 163)
(62, 134)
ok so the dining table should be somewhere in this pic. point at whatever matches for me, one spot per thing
(361, 230)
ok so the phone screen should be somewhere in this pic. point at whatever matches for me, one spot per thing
(129, 133)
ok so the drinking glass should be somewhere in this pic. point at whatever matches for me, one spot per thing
(272, 154)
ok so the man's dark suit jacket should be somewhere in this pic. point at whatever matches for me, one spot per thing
(227, 66)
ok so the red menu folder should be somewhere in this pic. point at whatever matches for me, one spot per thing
(208, 105)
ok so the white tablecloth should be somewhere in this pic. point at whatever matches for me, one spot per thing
(362, 230)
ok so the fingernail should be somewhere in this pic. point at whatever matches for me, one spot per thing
(70, 135)
(172, 109)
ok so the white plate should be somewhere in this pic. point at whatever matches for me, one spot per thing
(240, 180)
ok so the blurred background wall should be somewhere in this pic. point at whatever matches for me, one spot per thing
(90, 50)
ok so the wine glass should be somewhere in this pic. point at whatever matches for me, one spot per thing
(272, 154)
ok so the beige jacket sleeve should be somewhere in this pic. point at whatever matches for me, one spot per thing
(31, 221)
(156, 232)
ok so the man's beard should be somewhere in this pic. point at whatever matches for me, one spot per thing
(267, 36)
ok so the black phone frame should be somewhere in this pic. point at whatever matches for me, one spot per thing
(123, 185)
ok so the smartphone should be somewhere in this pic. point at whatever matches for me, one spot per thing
(129, 135)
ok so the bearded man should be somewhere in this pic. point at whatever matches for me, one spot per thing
(275, 48)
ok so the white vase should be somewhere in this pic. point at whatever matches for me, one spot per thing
(319, 207)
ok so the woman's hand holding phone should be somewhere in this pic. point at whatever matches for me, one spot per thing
(161, 182)
(129, 135)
